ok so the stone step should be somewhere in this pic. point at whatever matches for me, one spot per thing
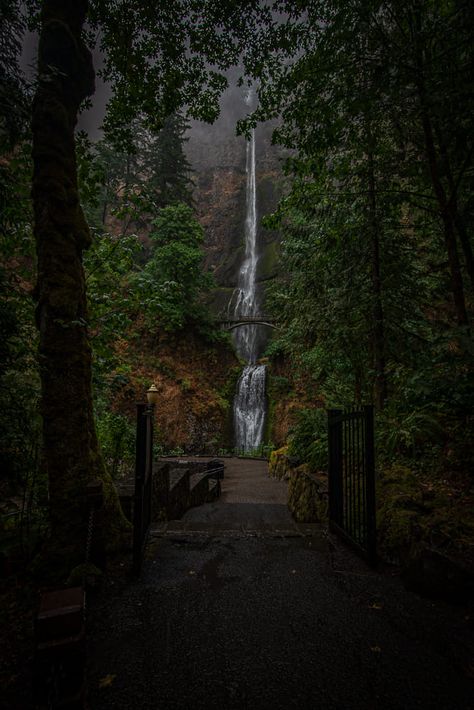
(181, 528)
(196, 478)
(176, 475)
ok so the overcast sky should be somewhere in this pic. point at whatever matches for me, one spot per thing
(89, 120)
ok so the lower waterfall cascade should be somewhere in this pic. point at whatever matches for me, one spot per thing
(249, 408)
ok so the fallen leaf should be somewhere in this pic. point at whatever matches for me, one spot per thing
(106, 681)
(376, 605)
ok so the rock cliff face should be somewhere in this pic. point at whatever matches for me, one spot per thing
(217, 156)
(195, 380)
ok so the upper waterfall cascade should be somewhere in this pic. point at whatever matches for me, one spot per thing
(246, 301)
(249, 401)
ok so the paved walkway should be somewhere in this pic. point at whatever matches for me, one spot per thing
(247, 481)
(251, 503)
(260, 621)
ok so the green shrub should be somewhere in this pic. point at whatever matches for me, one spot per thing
(280, 385)
(117, 440)
(407, 433)
(309, 439)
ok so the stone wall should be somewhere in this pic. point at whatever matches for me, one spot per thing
(307, 491)
(183, 484)
(420, 531)
(307, 496)
(279, 464)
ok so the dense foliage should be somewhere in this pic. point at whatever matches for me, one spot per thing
(20, 422)
(144, 269)
(122, 189)
(377, 291)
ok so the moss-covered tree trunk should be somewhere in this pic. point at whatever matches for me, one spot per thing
(71, 457)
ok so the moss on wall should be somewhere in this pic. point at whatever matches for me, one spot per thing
(219, 299)
(414, 512)
(422, 528)
(307, 496)
(268, 263)
(278, 466)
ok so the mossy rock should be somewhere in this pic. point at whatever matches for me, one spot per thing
(400, 475)
(307, 496)
(400, 507)
(400, 500)
(398, 533)
(422, 529)
(278, 466)
(87, 574)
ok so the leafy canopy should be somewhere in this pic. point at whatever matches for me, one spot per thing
(172, 282)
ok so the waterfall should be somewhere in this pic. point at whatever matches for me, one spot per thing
(246, 292)
(249, 400)
(249, 408)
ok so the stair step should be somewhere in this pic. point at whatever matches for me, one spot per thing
(195, 479)
(182, 528)
(176, 475)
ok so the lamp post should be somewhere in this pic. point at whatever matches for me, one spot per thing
(152, 399)
(152, 395)
(143, 475)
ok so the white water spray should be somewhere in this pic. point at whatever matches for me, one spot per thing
(249, 401)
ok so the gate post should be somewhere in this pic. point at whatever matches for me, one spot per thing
(336, 501)
(370, 487)
(143, 476)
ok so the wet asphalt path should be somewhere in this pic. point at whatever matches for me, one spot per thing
(242, 618)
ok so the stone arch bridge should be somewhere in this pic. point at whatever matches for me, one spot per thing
(232, 322)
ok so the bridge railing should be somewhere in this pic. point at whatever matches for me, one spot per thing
(246, 319)
(231, 323)
(262, 452)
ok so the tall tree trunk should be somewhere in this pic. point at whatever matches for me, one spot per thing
(70, 449)
(378, 327)
(377, 305)
(453, 206)
(457, 286)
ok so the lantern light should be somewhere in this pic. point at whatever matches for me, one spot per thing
(152, 394)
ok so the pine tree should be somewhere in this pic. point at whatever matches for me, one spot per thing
(167, 165)
(13, 89)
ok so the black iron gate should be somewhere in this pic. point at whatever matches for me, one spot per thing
(143, 482)
(352, 478)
